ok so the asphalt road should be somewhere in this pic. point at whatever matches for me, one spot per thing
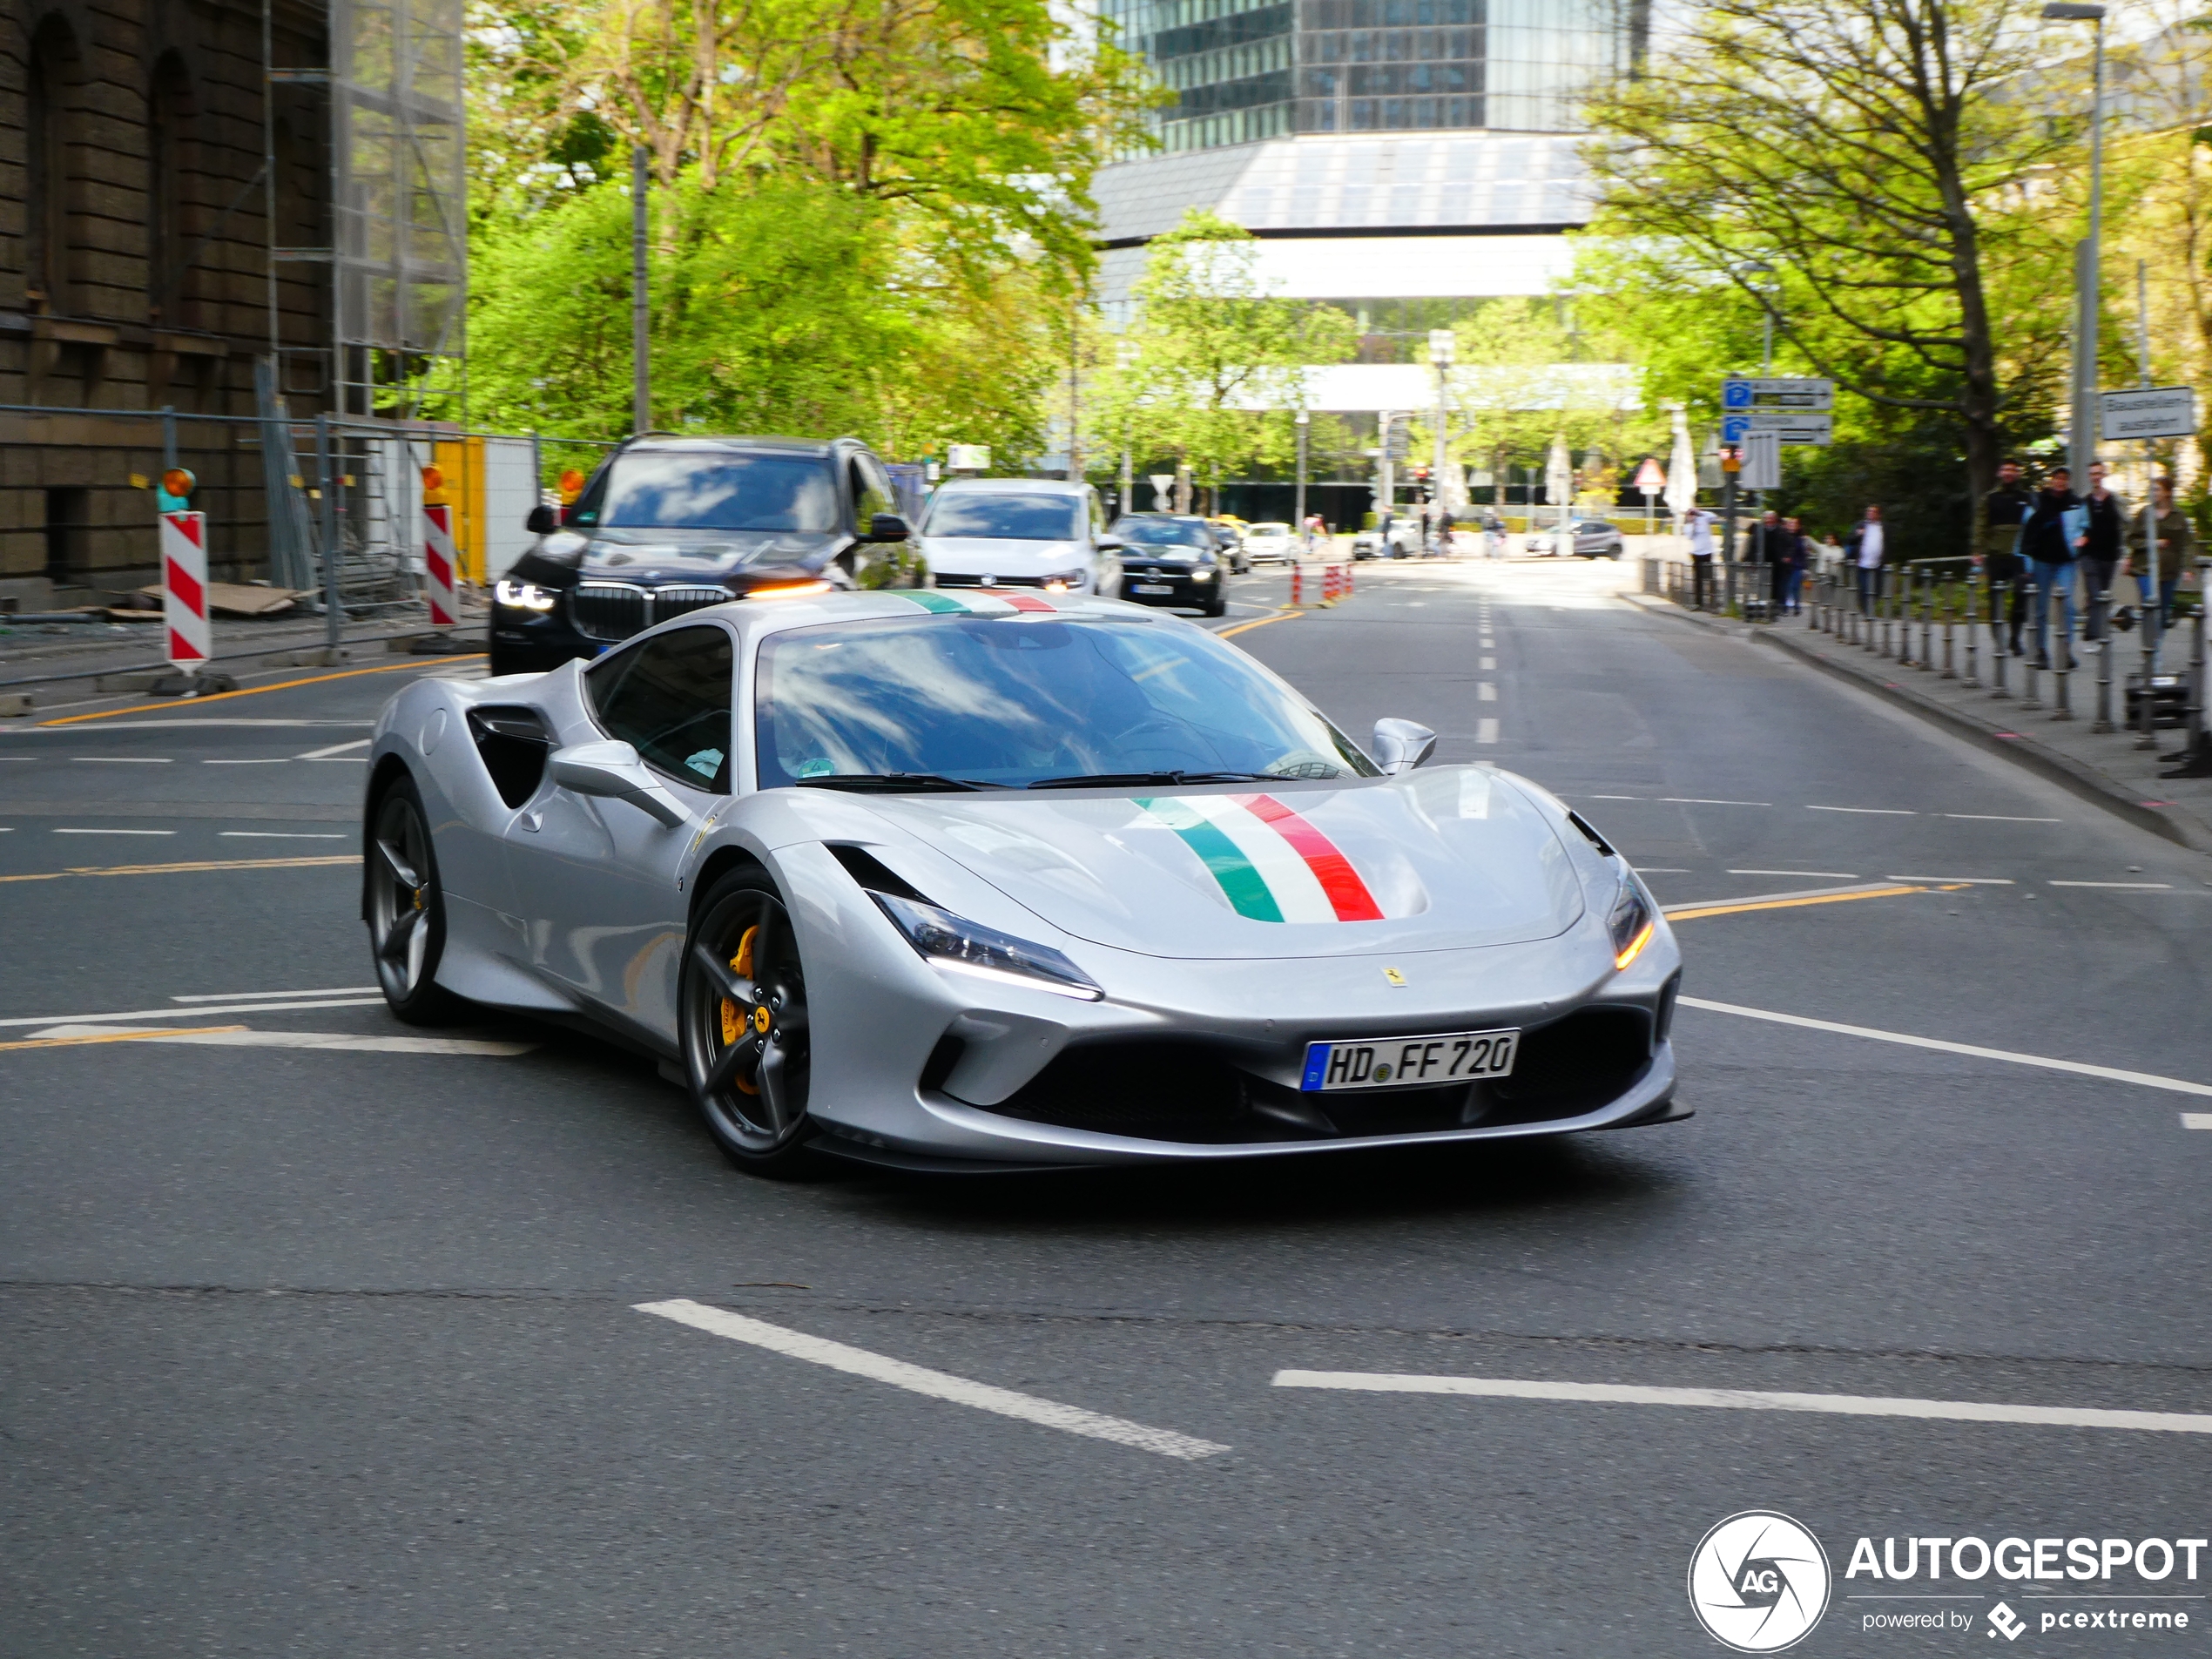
(312, 1346)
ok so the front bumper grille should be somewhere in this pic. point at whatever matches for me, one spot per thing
(1194, 1093)
(945, 580)
(615, 611)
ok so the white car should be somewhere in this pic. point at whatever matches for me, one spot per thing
(1018, 533)
(1270, 544)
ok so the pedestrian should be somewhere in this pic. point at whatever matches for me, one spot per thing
(1798, 546)
(2177, 548)
(2100, 548)
(1868, 545)
(1697, 526)
(2047, 541)
(2004, 510)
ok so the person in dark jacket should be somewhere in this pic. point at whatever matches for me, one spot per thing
(1799, 546)
(2048, 546)
(2003, 511)
(2100, 548)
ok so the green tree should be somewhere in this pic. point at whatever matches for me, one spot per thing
(1214, 364)
(1869, 172)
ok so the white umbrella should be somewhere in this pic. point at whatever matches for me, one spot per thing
(1682, 470)
(1559, 482)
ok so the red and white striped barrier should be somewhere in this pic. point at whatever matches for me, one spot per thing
(184, 589)
(439, 564)
(1336, 583)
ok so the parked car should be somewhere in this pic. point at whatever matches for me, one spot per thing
(1588, 538)
(668, 525)
(1019, 533)
(1403, 543)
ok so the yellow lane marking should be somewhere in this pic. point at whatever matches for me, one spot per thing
(1262, 621)
(179, 869)
(116, 1036)
(1791, 904)
(178, 704)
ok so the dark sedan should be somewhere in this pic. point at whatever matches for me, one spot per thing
(1171, 559)
(668, 525)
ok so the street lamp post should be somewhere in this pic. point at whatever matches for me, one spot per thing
(1304, 422)
(2081, 441)
(1441, 345)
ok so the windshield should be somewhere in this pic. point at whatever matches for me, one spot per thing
(1017, 700)
(1165, 532)
(1006, 518)
(705, 490)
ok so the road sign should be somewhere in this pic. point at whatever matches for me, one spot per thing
(1791, 428)
(1651, 478)
(184, 589)
(2155, 412)
(968, 457)
(1162, 483)
(1745, 392)
(1762, 460)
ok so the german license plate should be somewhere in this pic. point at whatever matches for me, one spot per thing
(1151, 587)
(1394, 1062)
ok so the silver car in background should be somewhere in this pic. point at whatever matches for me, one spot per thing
(1019, 533)
(1270, 544)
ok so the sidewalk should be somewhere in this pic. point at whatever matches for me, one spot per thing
(2107, 768)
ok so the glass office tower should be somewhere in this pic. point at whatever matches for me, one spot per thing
(1244, 71)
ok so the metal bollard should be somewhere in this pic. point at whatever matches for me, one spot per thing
(2195, 753)
(2154, 625)
(2000, 594)
(2101, 625)
(1950, 640)
(1973, 676)
(2062, 663)
(1927, 621)
(2028, 699)
(1885, 606)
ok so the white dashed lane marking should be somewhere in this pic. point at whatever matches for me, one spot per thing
(937, 1385)
(1870, 812)
(2196, 1120)
(1485, 731)
(113, 832)
(1485, 692)
(1754, 1400)
(1833, 875)
(2120, 886)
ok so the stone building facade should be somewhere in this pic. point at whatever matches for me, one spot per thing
(135, 273)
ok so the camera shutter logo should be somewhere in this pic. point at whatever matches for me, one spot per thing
(1759, 1583)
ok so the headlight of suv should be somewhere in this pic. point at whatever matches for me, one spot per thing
(1067, 581)
(1203, 573)
(969, 948)
(1631, 922)
(523, 596)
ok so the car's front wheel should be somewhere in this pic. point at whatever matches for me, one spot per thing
(407, 907)
(747, 1049)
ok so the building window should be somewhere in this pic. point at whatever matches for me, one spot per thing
(48, 117)
(67, 517)
(170, 174)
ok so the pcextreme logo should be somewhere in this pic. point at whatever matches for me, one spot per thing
(1759, 1581)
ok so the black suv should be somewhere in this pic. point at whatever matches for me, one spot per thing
(669, 524)
(1171, 559)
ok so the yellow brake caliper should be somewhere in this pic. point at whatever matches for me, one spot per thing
(733, 1024)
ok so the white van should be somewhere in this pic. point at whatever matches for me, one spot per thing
(1019, 533)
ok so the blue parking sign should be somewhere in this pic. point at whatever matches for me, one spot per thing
(1735, 395)
(1733, 427)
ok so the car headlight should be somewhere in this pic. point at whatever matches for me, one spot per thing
(1204, 573)
(969, 948)
(523, 596)
(1066, 580)
(1631, 923)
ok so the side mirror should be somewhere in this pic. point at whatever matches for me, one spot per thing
(887, 527)
(613, 771)
(1400, 745)
(543, 520)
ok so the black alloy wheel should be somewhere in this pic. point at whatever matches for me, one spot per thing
(743, 1027)
(407, 913)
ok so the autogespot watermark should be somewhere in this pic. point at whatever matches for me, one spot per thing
(1760, 1581)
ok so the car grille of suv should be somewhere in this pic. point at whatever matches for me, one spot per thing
(674, 602)
(945, 580)
(1191, 1092)
(612, 610)
(608, 610)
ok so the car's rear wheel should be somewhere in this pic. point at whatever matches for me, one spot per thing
(407, 909)
(743, 1027)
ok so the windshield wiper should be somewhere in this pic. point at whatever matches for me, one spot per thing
(893, 782)
(1139, 779)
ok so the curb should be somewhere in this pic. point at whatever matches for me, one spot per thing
(2174, 824)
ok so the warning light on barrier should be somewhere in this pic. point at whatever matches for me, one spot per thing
(179, 481)
(433, 478)
(571, 485)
